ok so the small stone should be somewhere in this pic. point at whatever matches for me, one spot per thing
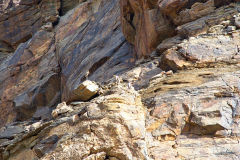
(169, 73)
(36, 125)
(75, 118)
(160, 75)
(48, 26)
(217, 29)
(223, 133)
(231, 28)
(61, 108)
(226, 23)
(237, 22)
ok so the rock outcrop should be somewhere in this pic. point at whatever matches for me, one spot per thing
(21, 19)
(109, 126)
(120, 79)
(147, 23)
(91, 33)
(31, 83)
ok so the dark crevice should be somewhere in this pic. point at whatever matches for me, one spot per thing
(175, 83)
(23, 40)
(95, 66)
(131, 20)
(61, 8)
(219, 3)
(56, 22)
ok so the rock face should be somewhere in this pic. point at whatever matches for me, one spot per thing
(144, 25)
(91, 33)
(110, 121)
(78, 87)
(147, 23)
(29, 15)
(31, 82)
(30, 79)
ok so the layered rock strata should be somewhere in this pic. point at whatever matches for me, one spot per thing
(182, 102)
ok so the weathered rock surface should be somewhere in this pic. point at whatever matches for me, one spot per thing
(111, 126)
(182, 102)
(144, 25)
(30, 79)
(85, 91)
(147, 23)
(30, 82)
(21, 19)
(91, 33)
(192, 52)
(67, 5)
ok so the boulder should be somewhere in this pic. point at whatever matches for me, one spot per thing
(85, 91)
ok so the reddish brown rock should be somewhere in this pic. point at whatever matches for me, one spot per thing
(91, 33)
(191, 111)
(172, 7)
(30, 79)
(23, 18)
(144, 25)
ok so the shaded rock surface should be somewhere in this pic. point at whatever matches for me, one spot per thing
(30, 79)
(181, 102)
(31, 82)
(21, 19)
(91, 33)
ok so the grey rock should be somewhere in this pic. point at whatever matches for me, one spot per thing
(11, 131)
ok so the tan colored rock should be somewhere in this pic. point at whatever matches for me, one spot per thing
(61, 109)
(202, 51)
(85, 91)
(196, 11)
(237, 21)
(117, 130)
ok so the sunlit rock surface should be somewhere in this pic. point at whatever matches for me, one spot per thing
(120, 80)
